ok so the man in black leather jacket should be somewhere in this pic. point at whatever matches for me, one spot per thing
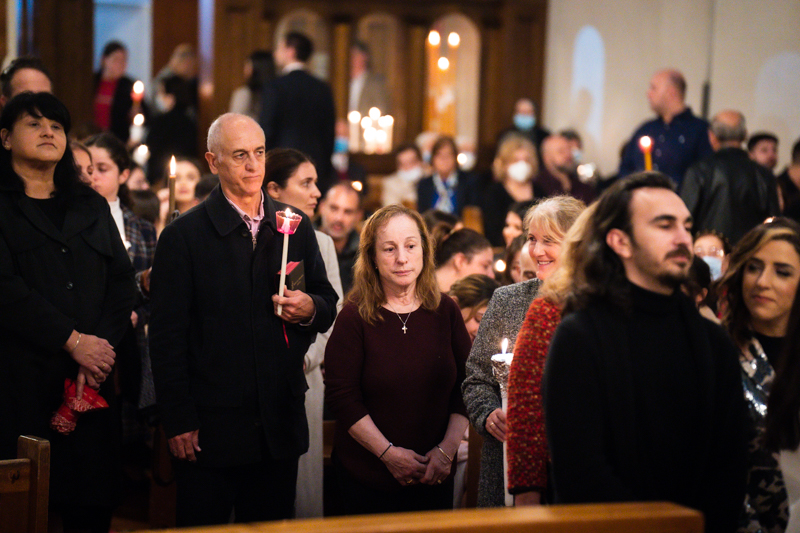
(727, 191)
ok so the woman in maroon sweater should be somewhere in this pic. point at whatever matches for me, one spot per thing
(393, 371)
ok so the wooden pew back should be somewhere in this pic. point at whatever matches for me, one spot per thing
(24, 487)
(656, 517)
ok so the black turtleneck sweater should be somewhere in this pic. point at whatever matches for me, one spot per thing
(646, 404)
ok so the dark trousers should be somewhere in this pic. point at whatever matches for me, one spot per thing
(83, 518)
(354, 498)
(254, 492)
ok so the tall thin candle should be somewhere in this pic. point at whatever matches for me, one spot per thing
(171, 181)
(646, 145)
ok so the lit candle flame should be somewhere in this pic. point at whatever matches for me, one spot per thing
(288, 213)
(453, 39)
(374, 113)
(443, 63)
(434, 38)
(138, 87)
(354, 117)
(357, 185)
(172, 167)
(645, 143)
(505, 346)
(138, 120)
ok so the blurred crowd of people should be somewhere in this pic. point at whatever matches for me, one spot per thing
(649, 313)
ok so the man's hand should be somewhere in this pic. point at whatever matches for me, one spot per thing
(297, 306)
(184, 445)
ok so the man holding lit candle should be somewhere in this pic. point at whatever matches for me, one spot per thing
(641, 393)
(678, 137)
(228, 370)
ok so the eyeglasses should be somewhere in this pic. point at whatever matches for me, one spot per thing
(711, 251)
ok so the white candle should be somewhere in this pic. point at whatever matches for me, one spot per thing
(286, 229)
(354, 118)
(501, 364)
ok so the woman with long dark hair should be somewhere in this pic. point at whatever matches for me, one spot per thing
(291, 177)
(67, 290)
(759, 287)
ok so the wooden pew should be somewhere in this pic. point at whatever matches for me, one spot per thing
(25, 487)
(656, 517)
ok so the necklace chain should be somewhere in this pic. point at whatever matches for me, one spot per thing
(405, 329)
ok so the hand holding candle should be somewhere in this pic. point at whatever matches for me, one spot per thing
(646, 146)
(287, 224)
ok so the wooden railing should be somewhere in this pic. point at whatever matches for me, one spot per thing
(595, 518)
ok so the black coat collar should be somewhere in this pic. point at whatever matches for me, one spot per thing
(225, 218)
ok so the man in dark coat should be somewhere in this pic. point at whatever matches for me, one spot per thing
(642, 396)
(727, 191)
(297, 110)
(228, 370)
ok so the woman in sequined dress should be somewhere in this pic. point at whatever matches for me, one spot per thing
(759, 288)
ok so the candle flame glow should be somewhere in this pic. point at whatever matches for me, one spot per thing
(354, 117)
(172, 167)
(374, 113)
(138, 87)
(288, 213)
(645, 142)
(505, 346)
(443, 63)
(357, 185)
(434, 38)
(138, 120)
(453, 39)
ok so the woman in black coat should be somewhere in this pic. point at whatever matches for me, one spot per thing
(66, 295)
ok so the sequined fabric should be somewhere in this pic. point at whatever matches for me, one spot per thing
(766, 507)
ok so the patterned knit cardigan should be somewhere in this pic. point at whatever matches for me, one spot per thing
(527, 441)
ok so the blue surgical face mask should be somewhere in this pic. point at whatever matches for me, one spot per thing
(715, 265)
(524, 122)
(340, 145)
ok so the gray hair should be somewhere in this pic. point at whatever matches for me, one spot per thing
(725, 132)
(213, 141)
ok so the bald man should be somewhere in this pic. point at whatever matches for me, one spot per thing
(727, 191)
(228, 369)
(679, 138)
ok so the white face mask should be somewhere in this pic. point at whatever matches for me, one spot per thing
(412, 175)
(520, 171)
(714, 265)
